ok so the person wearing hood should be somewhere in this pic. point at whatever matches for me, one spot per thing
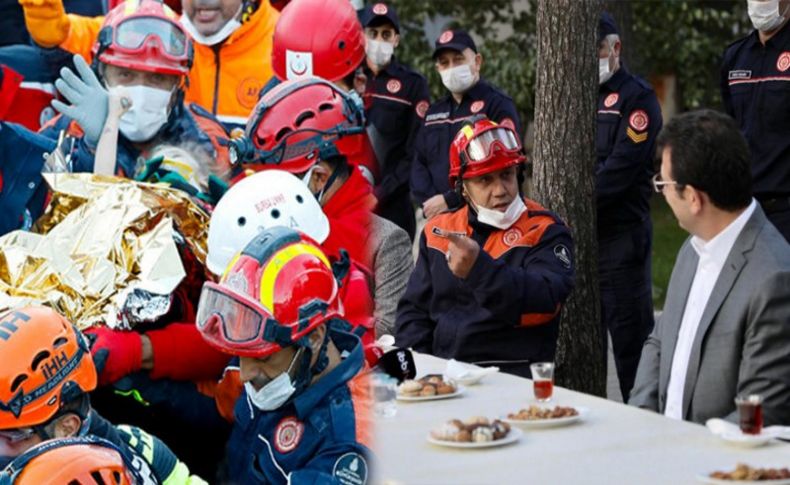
(232, 48)
(492, 275)
(755, 88)
(459, 64)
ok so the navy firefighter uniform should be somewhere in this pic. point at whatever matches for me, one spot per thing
(755, 88)
(396, 101)
(506, 312)
(629, 119)
(316, 438)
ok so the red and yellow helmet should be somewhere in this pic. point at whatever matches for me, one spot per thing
(76, 461)
(46, 362)
(482, 147)
(144, 35)
(317, 38)
(276, 291)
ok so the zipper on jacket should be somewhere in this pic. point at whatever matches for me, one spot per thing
(216, 49)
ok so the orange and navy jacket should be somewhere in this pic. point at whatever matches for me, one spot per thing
(185, 124)
(226, 78)
(322, 436)
(506, 311)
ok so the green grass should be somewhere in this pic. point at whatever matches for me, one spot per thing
(667, 238)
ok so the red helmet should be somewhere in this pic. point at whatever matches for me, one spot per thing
(46, 363)
(273, 293)
(317, 37)
(82, 461)
(297, 123)
(482, 147)
(144, 35)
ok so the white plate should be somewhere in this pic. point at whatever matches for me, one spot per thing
(458, 391)
(742, 440)
(548, 423)
(513, 436)
(706, 478)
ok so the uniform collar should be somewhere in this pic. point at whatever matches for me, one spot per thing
(780, 39)
(616, 81)
(348, 368)
(391, 70)
(478, 91)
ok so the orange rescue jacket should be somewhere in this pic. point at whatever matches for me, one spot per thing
(225, 79)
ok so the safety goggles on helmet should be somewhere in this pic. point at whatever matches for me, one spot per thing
(232, 320)
(16, 435)
(480, 147)
(321, 146)
(132, 34)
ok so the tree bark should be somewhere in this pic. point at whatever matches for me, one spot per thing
(564, 158)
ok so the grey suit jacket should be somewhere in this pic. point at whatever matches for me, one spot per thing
(742, 344)
(392, 260)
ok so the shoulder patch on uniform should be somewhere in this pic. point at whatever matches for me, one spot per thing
(638, 120)
(247, 92)
(511, 236)
(783, 62)
(634, 136)
(351, 469)
(563, 254)
(393, 86)
(421, 108)
(477, 106)
(611, 100)
(288, 434)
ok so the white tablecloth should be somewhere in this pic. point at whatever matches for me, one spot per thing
(615, 444)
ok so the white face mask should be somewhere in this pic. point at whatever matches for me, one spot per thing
(379, 52)
(215, 38)
(498, 219)
(604, 73)
(765, 15)
(276, 392)
(458, 79)
(149, 111)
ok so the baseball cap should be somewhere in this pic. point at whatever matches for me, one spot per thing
(457, 40)
(377, 12)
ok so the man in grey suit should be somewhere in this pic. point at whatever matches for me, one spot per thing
(725, 329)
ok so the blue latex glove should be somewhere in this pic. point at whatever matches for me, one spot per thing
(88, 98)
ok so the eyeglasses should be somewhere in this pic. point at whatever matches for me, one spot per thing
(658, 184)
(16, 435)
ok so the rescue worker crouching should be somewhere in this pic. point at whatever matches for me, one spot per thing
(491, 276)
(45, 379)
(300, 418)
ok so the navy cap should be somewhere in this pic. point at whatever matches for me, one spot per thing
(457, 40)
(606, 26)
(378, 12)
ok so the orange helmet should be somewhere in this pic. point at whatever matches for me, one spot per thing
(274, 293)
(46, 363)
(317, 38)
(482, 147)
(144, 35)
(76, 461)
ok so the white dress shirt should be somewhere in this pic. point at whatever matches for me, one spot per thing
(712, 255)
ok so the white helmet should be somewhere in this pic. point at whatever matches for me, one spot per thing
(262, 200)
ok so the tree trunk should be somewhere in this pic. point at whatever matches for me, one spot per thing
(564, 155)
